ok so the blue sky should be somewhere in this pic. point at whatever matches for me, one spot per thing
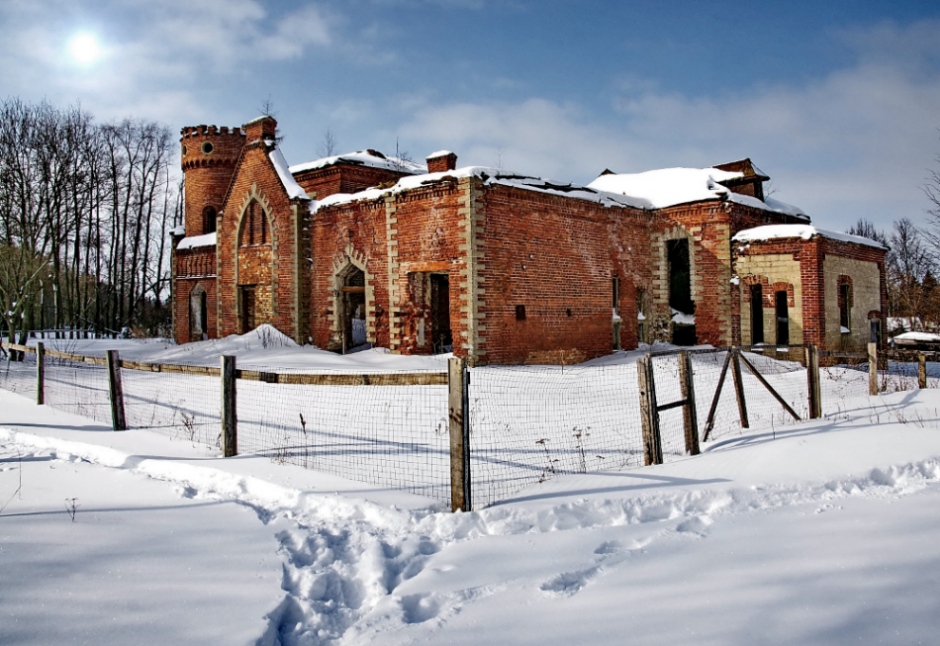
(839, 102)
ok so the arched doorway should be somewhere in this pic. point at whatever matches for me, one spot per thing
(353, 308)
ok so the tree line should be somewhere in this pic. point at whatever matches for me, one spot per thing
(85, 209)
(912, 265)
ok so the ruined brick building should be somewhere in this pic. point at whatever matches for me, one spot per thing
(503, 268)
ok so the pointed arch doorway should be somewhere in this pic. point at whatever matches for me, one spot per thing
(353, 308)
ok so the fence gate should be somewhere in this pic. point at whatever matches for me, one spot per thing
(650, 408)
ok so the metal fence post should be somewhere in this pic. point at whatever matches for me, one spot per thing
(118, 420)
(229, 417)
(40, 374)
(458, 381)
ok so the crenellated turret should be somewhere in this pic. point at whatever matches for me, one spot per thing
(209, 156)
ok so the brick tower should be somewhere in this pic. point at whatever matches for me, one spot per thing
(209, 155)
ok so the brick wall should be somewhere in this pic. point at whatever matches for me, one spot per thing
(275, 267)
(557, 258)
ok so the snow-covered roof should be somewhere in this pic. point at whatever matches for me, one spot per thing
(283, 172)
(490, 176)
(370, 158)
(804, 231)
(439, 153)
(205, 240)
(671, 186)
(917, 337)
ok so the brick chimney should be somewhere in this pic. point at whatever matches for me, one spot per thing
(441, 161)
(261, 128)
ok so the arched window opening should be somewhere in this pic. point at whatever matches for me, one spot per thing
(208, 220)
(254, 225)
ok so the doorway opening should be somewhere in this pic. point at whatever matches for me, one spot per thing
(441, 336)
(198, 314)
(680, 291)
(248, 308)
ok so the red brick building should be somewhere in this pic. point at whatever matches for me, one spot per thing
(502, 268)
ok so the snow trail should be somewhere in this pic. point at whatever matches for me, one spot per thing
(344, 559)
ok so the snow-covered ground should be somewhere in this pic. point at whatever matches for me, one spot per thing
(820, 532)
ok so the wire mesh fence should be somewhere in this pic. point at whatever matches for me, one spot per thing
(526, 424)
(175, 404)
(386, 435)
(19, 376)
(77, 387)
(529, 424)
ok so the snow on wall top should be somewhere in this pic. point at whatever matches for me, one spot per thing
(670, 186)
(804, 231)
(283, 172)
(490, 176)
(439, 153)
(205, 240)
(363, 158)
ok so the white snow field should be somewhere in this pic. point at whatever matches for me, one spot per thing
(818, 532)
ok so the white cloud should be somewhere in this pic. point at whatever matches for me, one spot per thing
(855, 143)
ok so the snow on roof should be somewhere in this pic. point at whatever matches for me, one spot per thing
(370, 158)
(283, 171)
(804, 231)
(439, 153)
(205, 240)
(917, 337)
(490, 176)
(670, 186)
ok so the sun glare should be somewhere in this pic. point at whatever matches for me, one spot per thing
(84, 48)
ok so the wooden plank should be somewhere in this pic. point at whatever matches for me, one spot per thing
(710, 420)
(689, 413)
(229, 410)
(921, 370)
(386, 379)
(118, 419)
(459, 449)
(872, 369)
(767, 385)
(739, 387)
(652, 439)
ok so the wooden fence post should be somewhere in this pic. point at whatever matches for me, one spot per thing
(118, 420)
(652, 440)
(921, 370)
(40, 374)
(812, 382)
(739, 387)
(689, 413)
(872, 368)
(229, 418)
(458, 382)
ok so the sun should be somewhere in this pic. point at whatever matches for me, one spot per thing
(84, 48)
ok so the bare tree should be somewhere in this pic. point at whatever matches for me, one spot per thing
(910, 262)
(327, 146)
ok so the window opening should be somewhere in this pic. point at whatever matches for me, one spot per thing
(783, 318)
(845, 308)
(757, 314)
